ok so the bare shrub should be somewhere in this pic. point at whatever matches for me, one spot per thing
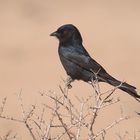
(67, 121)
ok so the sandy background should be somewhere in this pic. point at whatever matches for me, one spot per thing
(29, 59)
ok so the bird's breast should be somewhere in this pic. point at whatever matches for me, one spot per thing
(74, 70)
(69, 66)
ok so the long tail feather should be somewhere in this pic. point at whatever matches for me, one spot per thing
(131, 90)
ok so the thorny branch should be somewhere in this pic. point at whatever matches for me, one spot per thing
(66, 116)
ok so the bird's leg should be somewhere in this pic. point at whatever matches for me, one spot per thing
(68, 82)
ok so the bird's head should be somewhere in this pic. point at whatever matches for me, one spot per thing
(68, 34)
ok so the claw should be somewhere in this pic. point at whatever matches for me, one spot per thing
(69, 86)
(68, 82)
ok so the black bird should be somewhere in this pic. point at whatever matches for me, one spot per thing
(78, 63)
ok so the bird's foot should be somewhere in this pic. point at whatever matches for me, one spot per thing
(69, 86)
(68, 82)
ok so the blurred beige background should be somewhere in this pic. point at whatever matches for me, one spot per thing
(29, 59)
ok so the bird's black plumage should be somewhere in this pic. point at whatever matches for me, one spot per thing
(78, 63)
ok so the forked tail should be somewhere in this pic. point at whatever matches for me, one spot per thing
(131, 90)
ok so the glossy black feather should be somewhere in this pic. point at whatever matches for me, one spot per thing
(78, 63)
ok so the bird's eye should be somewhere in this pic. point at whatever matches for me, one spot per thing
(65, 32)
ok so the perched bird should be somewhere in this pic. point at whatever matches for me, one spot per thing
(78, 63)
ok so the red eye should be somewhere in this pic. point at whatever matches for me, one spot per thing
(65, 32)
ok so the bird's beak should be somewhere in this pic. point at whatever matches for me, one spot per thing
(54, 34)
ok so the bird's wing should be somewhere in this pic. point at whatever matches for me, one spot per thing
(83, 60)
